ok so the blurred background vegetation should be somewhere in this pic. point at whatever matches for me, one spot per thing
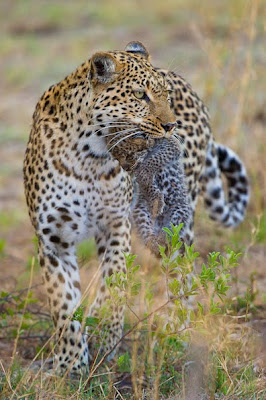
(218, 46)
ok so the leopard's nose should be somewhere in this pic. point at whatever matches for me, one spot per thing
(168, 127)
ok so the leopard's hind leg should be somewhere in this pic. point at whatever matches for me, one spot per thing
(112, 243)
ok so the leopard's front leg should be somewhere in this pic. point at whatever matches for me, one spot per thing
(112, 242)
(62, 284)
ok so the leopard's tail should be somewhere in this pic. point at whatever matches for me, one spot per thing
(230, 208)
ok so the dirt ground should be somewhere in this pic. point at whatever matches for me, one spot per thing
(217, 46)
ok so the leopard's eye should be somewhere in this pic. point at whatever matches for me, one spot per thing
(139, 94)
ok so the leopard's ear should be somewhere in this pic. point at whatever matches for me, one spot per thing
(104, 68)
(138, 48)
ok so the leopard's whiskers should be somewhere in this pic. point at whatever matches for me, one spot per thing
(115, 133)
(104, 124)
(181, 140)
(124, 138)
(126, 127)
(111, 126)
(121, 133)
(112, 122)
(178, 137)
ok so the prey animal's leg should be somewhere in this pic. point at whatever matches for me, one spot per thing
(62, 283)
(152, 195)
(144, 224)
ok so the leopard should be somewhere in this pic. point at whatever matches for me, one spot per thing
(75, 188)
(159, 205)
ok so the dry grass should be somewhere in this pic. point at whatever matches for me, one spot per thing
(219, 48)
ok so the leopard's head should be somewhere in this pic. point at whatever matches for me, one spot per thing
(129, 96)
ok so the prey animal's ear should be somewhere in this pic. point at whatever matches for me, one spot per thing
(138, 48)
(104, 68)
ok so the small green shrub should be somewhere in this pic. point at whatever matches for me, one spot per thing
(170, 349)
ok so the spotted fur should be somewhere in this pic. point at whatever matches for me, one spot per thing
(227, 210)
(76, 189)
(161, 190)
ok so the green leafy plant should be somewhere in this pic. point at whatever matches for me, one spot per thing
(19, 316)
(160, 337)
